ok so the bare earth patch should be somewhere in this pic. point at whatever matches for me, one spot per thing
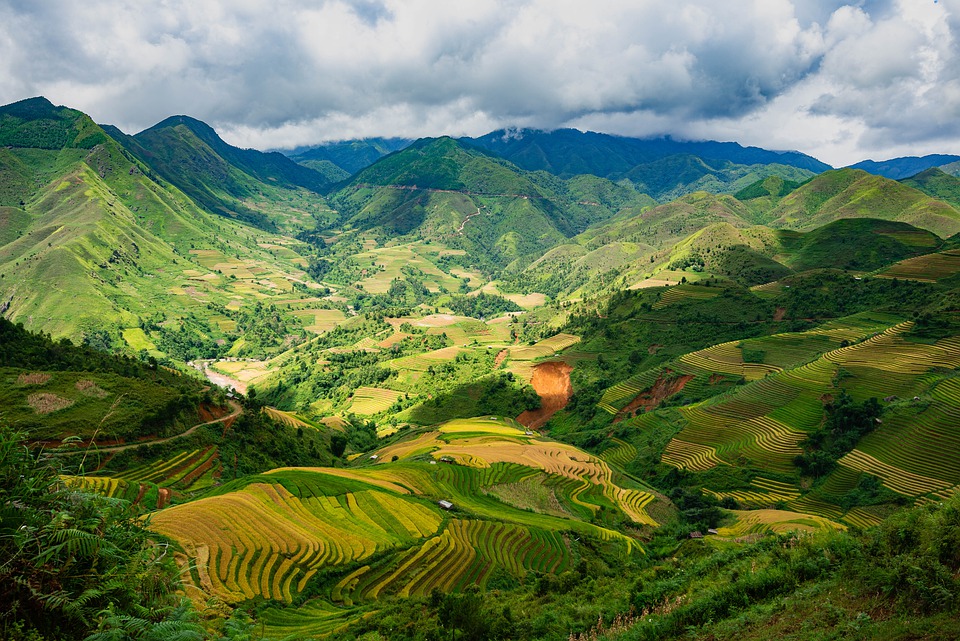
(43, 403)
(649, 399)
(551, 380)
(33, 378)
(90, 388)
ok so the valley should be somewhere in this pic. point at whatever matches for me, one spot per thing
(480, 388)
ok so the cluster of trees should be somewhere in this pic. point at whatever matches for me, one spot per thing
(482, 305)
(846, 423)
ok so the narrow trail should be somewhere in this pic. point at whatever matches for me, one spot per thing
(237, 410)
(463, 224)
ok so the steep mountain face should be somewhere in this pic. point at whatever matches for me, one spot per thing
(662, 167)
(244, 184)
(441, 190)
(351, 155)
(91, 243)
(905, 167)
(853, 193)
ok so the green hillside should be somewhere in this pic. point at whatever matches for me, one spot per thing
(852, 193)
(95, 248)
(674, 176)
(266, 190)
(440, 190)
(936, 183)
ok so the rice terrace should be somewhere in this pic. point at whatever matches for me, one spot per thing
(472, 321)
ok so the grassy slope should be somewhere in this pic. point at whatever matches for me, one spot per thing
(266, 190)
(850, 193)
(98, 244)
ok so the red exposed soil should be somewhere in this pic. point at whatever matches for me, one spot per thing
(663, 389)
(779, 313)
(163, 497)
(502, 355)
(211, 412)
(551, 380)
(143, 490)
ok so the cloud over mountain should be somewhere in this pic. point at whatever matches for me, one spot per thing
(839, 79)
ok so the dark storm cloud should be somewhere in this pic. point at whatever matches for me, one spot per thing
(816, 74)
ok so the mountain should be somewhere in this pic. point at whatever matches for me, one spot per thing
(445, 191)
(244, 184)
(567, 152)
(674, 176)
(936, 183)
(93, 247)
(352, 155)
(662, 167)
(905, 167)
(854, 193)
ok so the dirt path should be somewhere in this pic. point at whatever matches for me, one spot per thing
(551, 380)
(237, 410)
(463, 224)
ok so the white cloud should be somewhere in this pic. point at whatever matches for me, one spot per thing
(835, 79)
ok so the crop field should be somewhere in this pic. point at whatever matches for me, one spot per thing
(767, 493)
(373, 400)
(487, 443)
(685, 292)
(319, 320)
(105, 485)
(387, 263)
(265, 540)
(179, 471)
(778, 521)
(286, 418)
(929, 268)
(620, 453)
(138, 340)
(422, 362)
(615, 397)
(764, 421)
(914, 453)
(464, 554)
(315, 619)
(543, 349)
(725, 358)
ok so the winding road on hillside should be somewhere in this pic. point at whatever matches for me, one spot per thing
(235, 406)
(463, 224)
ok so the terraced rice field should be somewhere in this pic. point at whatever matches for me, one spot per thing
(684, 292)
(544, 348)
(373, 400)
(620, 454)
(929, 268)
(422, 362)
(725, 358)
(767, 493)
(466, 553)
(265, 540)
(179, 471)
(618, 395)
(778, 521)
(487, 443)
(766, 420)
(105, 485)
(286, 418)
(313, 620)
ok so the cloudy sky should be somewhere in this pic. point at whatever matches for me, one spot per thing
(841, 81)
